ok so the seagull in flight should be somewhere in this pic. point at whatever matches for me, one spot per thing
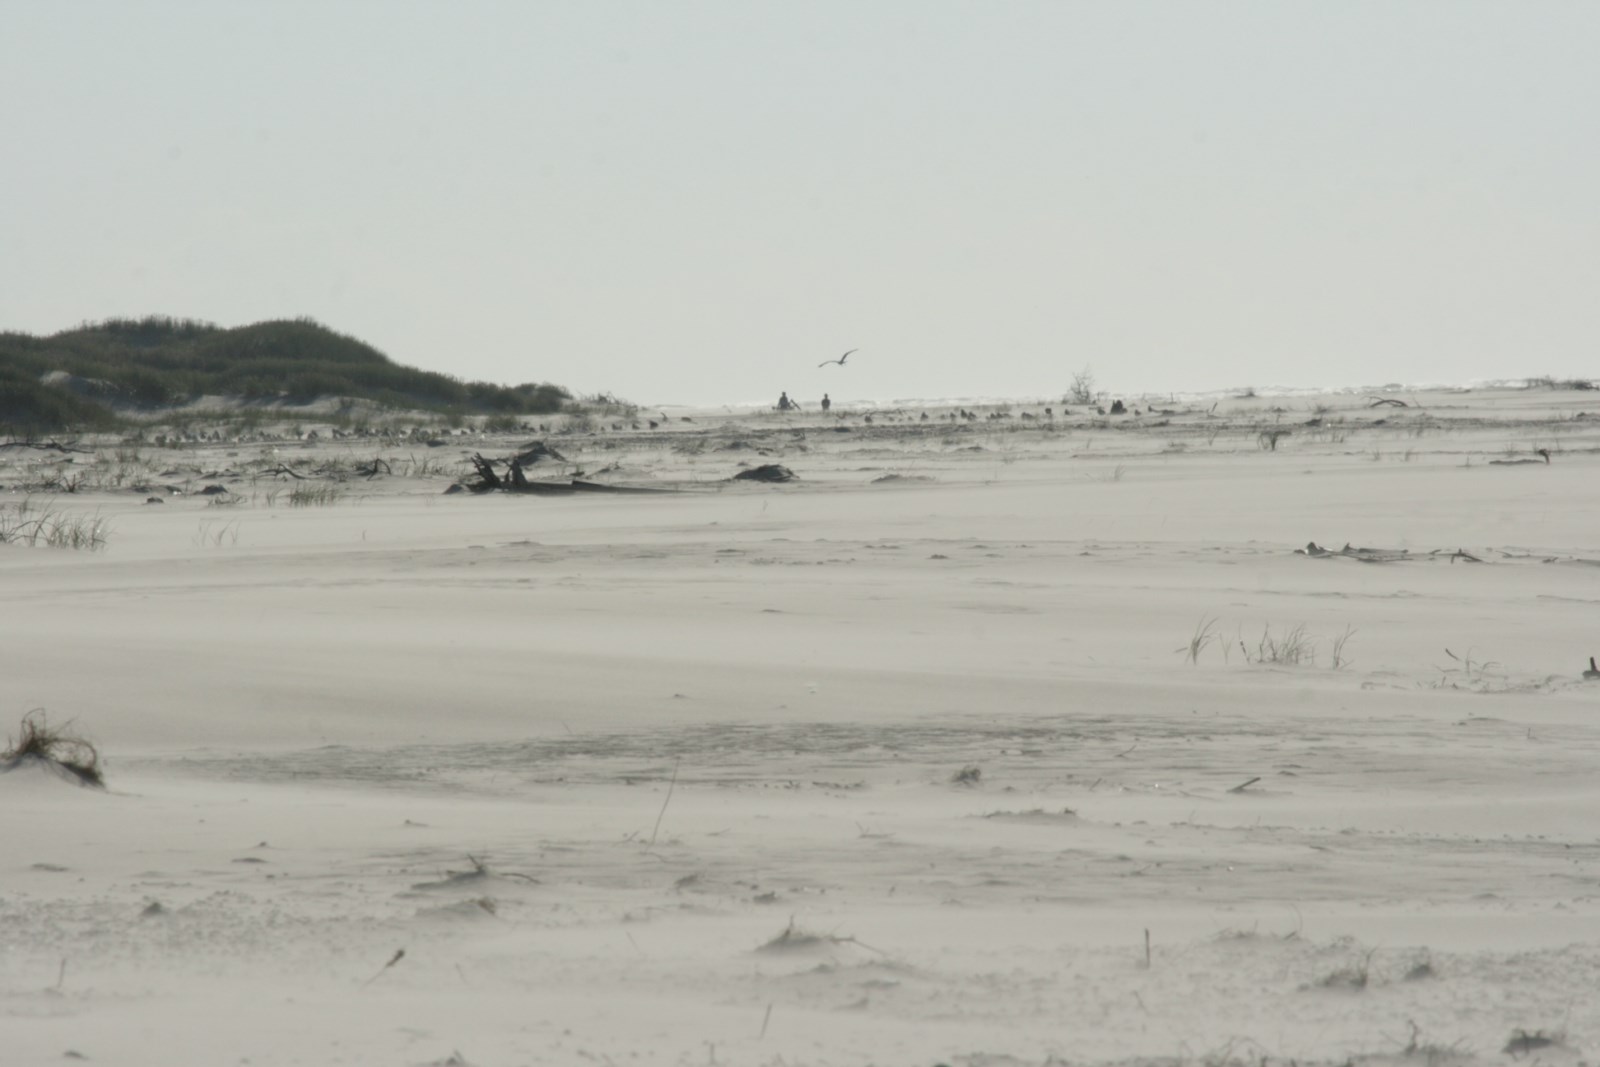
(840, 360)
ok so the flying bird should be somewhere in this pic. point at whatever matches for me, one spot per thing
(840, 360)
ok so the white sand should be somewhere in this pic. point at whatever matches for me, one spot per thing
(312, 716)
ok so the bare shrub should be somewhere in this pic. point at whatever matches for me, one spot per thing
(1082, 390)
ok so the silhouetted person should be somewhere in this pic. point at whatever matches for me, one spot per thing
(826, 403)
(783, 401)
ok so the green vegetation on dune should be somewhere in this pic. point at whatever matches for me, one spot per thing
(82, 378)
(28, 406)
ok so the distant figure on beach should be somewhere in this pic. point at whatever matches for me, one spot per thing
(784, 403)
(826, 403)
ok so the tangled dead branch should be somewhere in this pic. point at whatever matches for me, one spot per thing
(58, 748)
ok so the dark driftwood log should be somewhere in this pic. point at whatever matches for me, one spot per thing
(1381, 401)
(517, 482)
(488, 478)
(1362, 555)
(767, 472)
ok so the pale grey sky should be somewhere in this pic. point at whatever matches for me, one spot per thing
(698, 202)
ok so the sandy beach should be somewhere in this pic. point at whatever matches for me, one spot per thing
(1019, 739)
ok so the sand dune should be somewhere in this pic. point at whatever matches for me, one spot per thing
(896, 763)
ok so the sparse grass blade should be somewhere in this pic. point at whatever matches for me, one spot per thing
(1204, 634)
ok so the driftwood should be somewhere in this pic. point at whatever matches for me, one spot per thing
(1389, 401)
(284, 468)
(767, 472)
(1362, 555)
(46, 446)
(487, 478)
(580, 486)
(1544, 452)
(1593, 673)
(516, 481)
(1385, 555)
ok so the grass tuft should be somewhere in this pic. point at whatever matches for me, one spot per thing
(1204, 634)
(1291, 647)
(1340, 659)
(24, 523)
(308, 496)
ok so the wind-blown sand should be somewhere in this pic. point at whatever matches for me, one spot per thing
(842, 771)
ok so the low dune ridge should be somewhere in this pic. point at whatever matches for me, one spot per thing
(1256, 730)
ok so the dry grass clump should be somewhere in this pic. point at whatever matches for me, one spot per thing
(1292, 647)
(25, 523)
(311, 496)
(56, 747)
(1289, 646)
(793, 938)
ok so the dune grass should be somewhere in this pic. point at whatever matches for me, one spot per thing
(26, 523)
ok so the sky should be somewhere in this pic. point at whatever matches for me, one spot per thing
(698, 202)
